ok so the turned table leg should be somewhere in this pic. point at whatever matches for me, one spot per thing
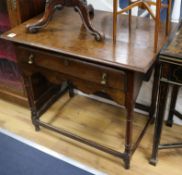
(154, 92)
(163, 91)
(174, 95)
(34, 116)
(86, 12)
(128, 139)
(129, 119)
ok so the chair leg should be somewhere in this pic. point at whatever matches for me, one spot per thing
(168, 17)
(147, 7)
(130, 16)
(157, 24)
(131, 6)
(115, 6)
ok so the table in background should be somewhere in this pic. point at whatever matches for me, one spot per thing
(170, 73)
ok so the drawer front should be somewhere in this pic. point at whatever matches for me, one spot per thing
(37, 74)
(102, 75)
(172, 72)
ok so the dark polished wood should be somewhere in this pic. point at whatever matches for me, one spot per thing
(63, 57)
(85, 11)
(30, 9)
(20, 10)
(175, 90)
(154, 92)
(170, 63)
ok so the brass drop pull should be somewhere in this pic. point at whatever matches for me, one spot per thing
(31, 59)
(104, 79)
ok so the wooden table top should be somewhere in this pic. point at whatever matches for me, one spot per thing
(173, 47)
(65, 34)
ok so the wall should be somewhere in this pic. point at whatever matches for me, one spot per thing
(145, 92)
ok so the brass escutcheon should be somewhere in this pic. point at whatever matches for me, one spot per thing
(104, 79)
(31, 59)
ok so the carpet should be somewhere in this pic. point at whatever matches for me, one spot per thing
(19, 156)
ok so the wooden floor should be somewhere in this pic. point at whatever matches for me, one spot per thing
(100, 122)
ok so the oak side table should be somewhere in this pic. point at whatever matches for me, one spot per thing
(63, 56)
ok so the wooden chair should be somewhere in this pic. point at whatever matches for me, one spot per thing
(143, 4)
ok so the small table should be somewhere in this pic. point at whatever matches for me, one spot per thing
(63, 56)
(170, 68)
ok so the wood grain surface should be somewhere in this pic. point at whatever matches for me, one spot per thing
(65, 34)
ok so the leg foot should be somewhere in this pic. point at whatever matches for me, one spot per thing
(71, 91)
(153, 161)
(85, 12)
(37, 127)
(49, 11)
(169, 123)
(127, 163)
(34, 117)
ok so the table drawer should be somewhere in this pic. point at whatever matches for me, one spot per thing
(102, 75)
(37, 74)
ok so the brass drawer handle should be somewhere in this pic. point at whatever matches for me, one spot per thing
(104, 79)
(31, 59)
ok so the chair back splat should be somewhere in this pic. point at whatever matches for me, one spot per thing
(144, 4)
